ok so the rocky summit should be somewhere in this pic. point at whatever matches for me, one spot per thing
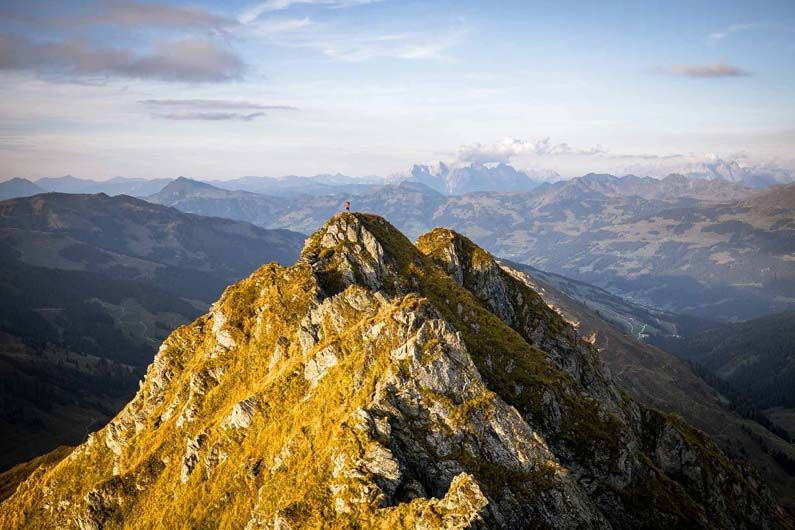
(379, 384)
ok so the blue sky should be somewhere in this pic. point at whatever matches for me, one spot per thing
(160, 89)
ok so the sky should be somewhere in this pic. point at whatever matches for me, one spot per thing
(219, 90)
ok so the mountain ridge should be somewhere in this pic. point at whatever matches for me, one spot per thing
(457, 180)
(18, 187)
(137, 187)
(388, 394)
(661, 380)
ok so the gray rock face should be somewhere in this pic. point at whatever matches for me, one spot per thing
(360, 257)
(510, 298)
(432, 420)
(242, 415)
(222, 335)
(481, 276)
(521, 308)
(317, 367)
(420, 401)
(191, 457)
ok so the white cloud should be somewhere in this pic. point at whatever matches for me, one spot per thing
(252, 13)
(707, 70)
(359, 44)
(186, 60)
(734, 28)
(406, 46)
(507, 148)
(273, 26)
(210, 116)
(216, 104)
(342, 42)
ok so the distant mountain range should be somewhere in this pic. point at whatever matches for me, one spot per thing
(89, 286)
(17, 187)
(703, 247)
(408, 201)
(292, 185)
(448, 179)
(288, 186)
(193, 196)
(732, 171)
(136, 187)
(674, 187)
(707, 248)
(457, 180)
(716, 260)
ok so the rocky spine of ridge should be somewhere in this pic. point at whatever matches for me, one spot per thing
(520, 307)
(511, 297)
(368, 387)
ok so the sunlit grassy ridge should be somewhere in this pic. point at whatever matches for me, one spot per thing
(364, 388)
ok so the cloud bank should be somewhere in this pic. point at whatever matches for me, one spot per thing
(213, 104)
(149, 41)
(507, 148)
(708, 71)
(210, 116)
(189, 59)
(133, 14)
(175, 43)
(209, 109)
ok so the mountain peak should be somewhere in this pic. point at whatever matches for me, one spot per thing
(354, 247)
(17, 180)
(599, 177)
(188, 182)
(454, 252)
(18, 187)
(183, 185)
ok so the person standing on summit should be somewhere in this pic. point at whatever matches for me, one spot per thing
(347, 206)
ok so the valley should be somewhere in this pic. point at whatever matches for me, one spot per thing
(90, 287)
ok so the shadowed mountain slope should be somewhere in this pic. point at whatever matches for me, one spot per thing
(661, 380)
(89, 287)
(756, 356)
(18, 187)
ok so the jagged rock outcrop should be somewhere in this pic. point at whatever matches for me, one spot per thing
(520, 307)
(375, 385)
